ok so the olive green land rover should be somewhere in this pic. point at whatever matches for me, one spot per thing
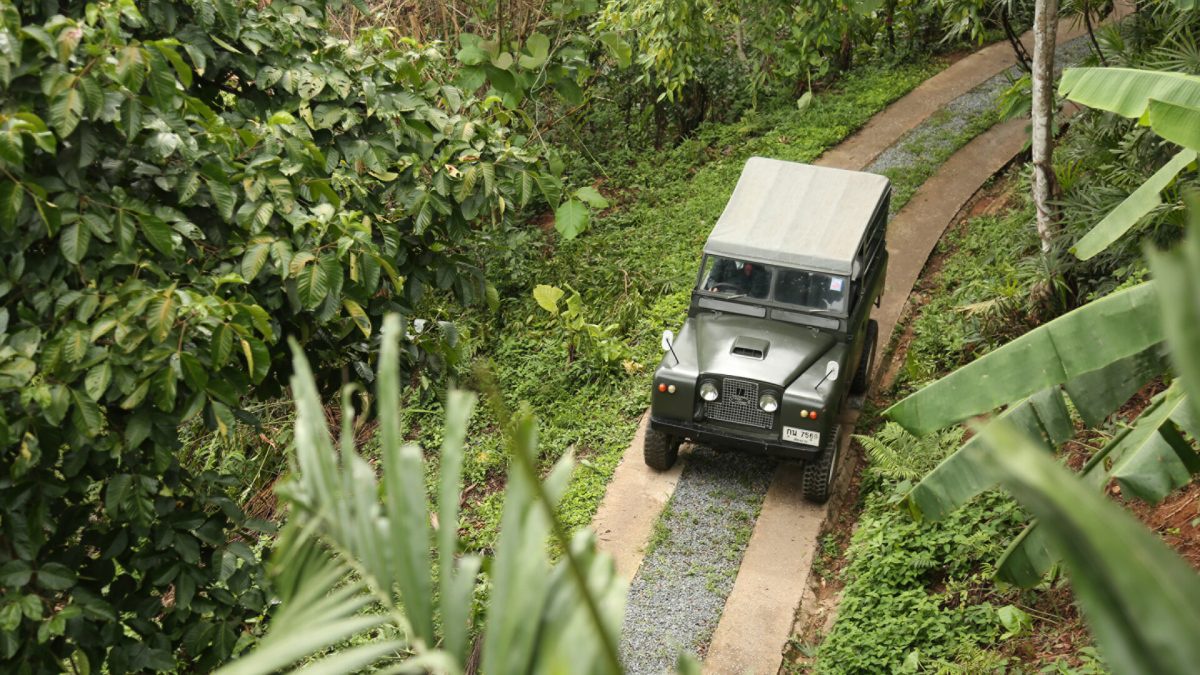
(779, 316)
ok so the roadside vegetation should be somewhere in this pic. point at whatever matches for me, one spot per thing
(1003, 601)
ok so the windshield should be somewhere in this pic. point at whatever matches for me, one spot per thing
(798, 288)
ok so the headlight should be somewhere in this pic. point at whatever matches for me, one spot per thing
(708, 391)
(768, 403)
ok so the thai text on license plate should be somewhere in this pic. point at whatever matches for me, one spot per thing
(804, 436)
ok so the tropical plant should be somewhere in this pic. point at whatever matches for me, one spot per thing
(360, 587)
(1140, 600)
(1169, 103)
(595, 344)
(183, 183)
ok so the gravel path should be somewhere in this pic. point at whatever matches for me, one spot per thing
(677, 597)
(921, 151)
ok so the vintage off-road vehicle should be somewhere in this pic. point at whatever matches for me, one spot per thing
(781, 309)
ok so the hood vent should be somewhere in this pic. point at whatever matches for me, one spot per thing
(750, 347)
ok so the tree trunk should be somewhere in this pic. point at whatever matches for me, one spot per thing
(1045, 23)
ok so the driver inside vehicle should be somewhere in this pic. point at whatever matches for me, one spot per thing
(739, 277)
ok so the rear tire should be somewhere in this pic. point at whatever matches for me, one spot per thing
(660, 450)
(820, 472)
(866, 363)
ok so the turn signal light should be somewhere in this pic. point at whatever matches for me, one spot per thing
(812, 415)
(662, 387)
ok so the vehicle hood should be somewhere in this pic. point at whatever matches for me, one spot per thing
(790, 349)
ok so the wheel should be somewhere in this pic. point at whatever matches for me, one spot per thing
(862, 376)
(819, 472)
(660, 450)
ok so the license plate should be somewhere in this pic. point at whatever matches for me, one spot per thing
(804, 436)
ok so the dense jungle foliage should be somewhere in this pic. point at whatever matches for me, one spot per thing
(186, 184)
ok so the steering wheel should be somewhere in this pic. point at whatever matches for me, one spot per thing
(726, 287)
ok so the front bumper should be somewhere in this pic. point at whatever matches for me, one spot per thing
(727, 439)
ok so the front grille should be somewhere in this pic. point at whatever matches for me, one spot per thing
(738, 404)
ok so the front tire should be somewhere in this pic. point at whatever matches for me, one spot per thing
(660, 450)
(820, 472)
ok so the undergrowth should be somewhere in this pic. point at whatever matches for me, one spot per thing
(920, 596)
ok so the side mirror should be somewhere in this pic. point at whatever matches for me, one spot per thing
(831, 371)
(667, 339)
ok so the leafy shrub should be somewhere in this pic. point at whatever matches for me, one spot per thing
(914, 586)
(598, 345)
(184, 183)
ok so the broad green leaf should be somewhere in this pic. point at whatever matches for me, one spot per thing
(312, 285)
(572, 218)
(592, 197)
(1134, 208)
(361, 320)
(97, 380)
(1152, 460)
(1027, 558)
(258, 358)
(131, 67)
(537, 47)
(11, 197)
(74, 240)
(547, 297)
(86, 414)
(66, 110)
(1098, 393)
(194, 372)
(165, 389)
(160, 315)
(223, 197)
(158, 233)
(618, 48)
(1140, 600)
(55, 577)
(1127, 91)
(1149, 455)
(1089, 338)
(221, 345)
(964, 474)
(1178, 124)
(254, 259)
(551, 188)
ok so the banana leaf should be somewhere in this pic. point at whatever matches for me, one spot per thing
(1128, 91)
(1176, 123)
(1177, 274)
(1135, 207)
(1140, 600)
(1098, 393)
(1149, 459)
(962, 476)
(1087, 339)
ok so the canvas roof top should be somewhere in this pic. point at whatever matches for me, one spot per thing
(797, 215)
